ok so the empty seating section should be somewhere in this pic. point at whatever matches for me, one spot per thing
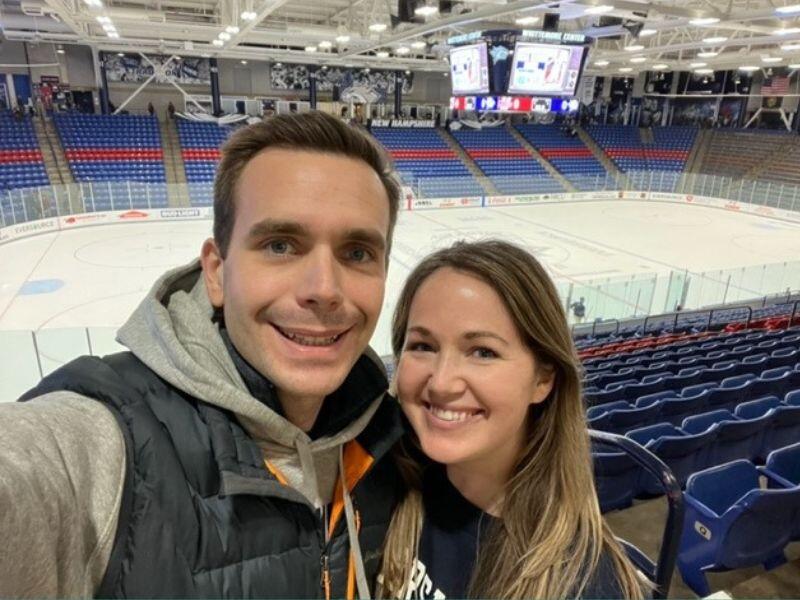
(508, 165)
(200, 144)
(426, 163)
(655, 164)
(568, 154)
(726, 153)
(120, 155)
(21, 165)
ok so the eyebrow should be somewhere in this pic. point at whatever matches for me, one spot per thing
(470, 335)
(272, 227)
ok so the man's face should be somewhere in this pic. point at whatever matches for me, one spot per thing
(303, 280)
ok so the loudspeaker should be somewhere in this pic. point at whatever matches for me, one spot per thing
(550, 22)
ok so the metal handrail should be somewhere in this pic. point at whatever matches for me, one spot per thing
(659, 573)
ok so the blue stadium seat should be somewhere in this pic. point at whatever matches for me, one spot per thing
(616, 479)
(683, 453)
(783, 466)
(731, 523)
(735, 439)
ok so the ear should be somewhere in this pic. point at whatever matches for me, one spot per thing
(212, 262)
(545, 380)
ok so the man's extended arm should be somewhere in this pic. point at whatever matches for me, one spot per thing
(62, 468)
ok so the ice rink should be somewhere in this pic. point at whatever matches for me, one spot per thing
(94, 277)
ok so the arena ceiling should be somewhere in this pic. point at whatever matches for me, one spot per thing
(668, 34)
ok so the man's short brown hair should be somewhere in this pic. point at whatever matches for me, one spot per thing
(313, 131)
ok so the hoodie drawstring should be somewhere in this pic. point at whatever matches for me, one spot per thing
(309, 471)
(352, 532)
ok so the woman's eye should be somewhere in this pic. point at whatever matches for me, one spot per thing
(418, 347)
(484, 353)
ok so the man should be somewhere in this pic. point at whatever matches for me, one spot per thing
(240, 447)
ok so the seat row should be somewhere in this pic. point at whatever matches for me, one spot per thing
(702, 441)
(732, 521)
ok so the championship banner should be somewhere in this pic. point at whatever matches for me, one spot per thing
(135, 69)
(345, 84)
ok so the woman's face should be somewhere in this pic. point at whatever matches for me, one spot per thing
(465, 379)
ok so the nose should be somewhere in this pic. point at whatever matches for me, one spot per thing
(446, 380)
(320, 285)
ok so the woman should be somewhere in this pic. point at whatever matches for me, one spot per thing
(502, 501)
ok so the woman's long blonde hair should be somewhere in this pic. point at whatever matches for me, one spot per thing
(552, 534)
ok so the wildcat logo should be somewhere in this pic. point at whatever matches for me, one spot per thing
(702, 530)
(690, 199)
(732, 206)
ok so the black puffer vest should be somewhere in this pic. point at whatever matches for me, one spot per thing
(201, 516)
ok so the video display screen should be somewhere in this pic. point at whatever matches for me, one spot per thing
(469, 69)
(545, 69)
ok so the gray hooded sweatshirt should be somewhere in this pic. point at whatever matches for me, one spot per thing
(62, 456)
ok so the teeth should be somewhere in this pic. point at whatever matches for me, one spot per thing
(449, 415)
(304, 340)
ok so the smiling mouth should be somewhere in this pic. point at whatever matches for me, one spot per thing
(452, 416)
(310, 340)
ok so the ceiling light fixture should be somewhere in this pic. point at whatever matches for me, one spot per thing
(749, 68)
(704, 71)
(790, 47)
(217, 43)
(224, 36)
(703, 21)
(408, 72)
(113, 35)
(788, 10)
(660, 67)
(708, 54)
(634, 48)
(248, 15)
(598, 10)
(647, 32)
(94, 3)
(601, 63)
(377, 27)
(244, 62)
(418, 45)
(402, 50)
(382, 54)
(232, 29)
(120, 54)
(787, 31)
(109, 27)
(625, 69)
(325, 45)
(794, 66)
(342, 39)
(526, 20)
(426, 10)
(715, 39)
(60, 49)
(771, 59)
(638, 59)
(311, 48)
(697, 65)
(103, 19)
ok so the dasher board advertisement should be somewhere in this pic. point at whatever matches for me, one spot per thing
(545, 69)
(469, 69)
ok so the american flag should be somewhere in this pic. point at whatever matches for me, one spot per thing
(777, 85)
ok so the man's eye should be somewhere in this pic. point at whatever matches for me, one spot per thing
(359, 255)
(279, 246)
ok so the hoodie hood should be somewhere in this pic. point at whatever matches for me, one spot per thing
(174, 334)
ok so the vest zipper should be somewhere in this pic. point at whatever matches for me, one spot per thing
(325, 574)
